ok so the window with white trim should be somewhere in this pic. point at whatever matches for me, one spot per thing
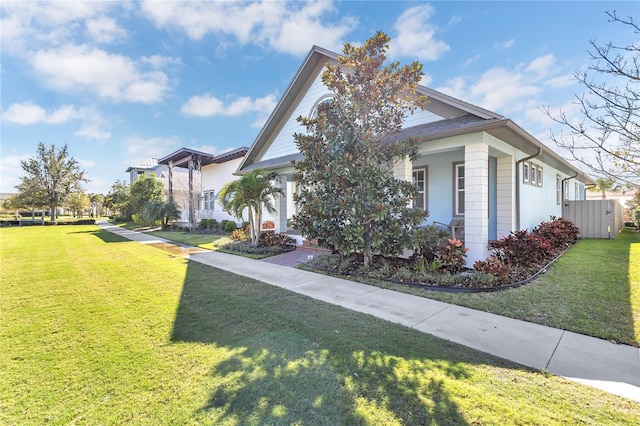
(420, 181)
(458, 193)
(558, 190)
(209, 200)
(539, 176)
(525, 172)
(532, 174)
(576, 194)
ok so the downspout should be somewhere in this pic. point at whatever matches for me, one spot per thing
(518, 184)
(564, 182)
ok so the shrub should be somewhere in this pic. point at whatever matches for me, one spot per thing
(268, 225)
(522, 248)
(228, 225)
(271, 239)
(425, 241)
(452, 256)
(238, 235)
(494, 266)
(561, 233)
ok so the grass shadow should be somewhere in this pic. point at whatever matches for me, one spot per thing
(106, 236)
(294, 359)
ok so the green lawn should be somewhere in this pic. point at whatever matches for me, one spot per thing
(593, 289)
(100, 330)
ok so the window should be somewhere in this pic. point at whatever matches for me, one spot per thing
(576, 194)
(566, 190)
(323, 100)
(533, 173)
(558, 189)
(420, 181)
(458, 195)
(208, 200)
(539, 176)
(525, 172)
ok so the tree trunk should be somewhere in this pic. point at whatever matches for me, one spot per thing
(53, 213)
(368, 255)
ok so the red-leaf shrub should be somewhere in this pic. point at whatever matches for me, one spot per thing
(452, 256)
(522, 248)
(271, 239)
(494, 266)
(561, 233)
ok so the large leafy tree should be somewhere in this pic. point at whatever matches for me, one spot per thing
(350, 199)
(119, 199)
(49, 177)
(254, 193)
(607, 137)
(145, 189)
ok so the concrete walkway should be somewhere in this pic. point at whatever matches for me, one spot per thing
(594, 362)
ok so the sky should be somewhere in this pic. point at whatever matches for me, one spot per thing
(119, 82)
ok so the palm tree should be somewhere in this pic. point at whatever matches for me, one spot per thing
(253, 192)
(603, 185)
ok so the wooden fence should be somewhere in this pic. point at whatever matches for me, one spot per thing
(595, 218)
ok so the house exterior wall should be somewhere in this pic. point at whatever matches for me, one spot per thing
(213, 177)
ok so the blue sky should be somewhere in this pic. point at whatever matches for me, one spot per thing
(120, 82)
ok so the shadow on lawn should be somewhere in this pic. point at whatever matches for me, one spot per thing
(291, 359)
(106, 236)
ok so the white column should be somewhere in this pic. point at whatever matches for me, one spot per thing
(280, 202)
(476, 201)
(403, 170)
(506, 176)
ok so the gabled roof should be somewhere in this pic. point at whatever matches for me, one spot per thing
(181, 157)
(460, 117)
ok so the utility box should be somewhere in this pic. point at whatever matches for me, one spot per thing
(595, 218)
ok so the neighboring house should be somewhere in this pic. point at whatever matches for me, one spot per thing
(209, 173)
(178, 188)
(473, 164)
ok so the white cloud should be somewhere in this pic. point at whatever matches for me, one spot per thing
(505, 44)
(288, 27)
(499, 89)
(110, 76)
(93, 131)
(209, 106)
(415, 35)
(542, 66)
(86, 164)
(159, 61)
(140, 149)
(28, 24)
(561, 81)
(30, 113)
(105, 30)
(10, 172)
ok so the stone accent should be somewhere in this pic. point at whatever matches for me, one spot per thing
(506, 176)
(476, 201)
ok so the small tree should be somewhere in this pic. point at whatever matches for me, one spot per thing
(50, 177)
(78, 202)
(144, 189)
(156, 211)
(350, 199)
(252, 192)
(119, 199)
(607, 139)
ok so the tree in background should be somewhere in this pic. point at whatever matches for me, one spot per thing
(78, 203)
(607, 139)
(50, 177)
(603, 185)
(97, 203)
(119, 199)
(350, 199)
(144, 189)
(253, 192)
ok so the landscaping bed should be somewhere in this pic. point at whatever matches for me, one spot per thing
(515, 260)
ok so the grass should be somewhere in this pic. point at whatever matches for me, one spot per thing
(594, 289)
(209, 242)
(100, 330)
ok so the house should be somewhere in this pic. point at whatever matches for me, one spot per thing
(176, 187)
(205, 175)
(473, 164)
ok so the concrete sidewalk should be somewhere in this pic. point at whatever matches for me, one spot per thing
(594, 362)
